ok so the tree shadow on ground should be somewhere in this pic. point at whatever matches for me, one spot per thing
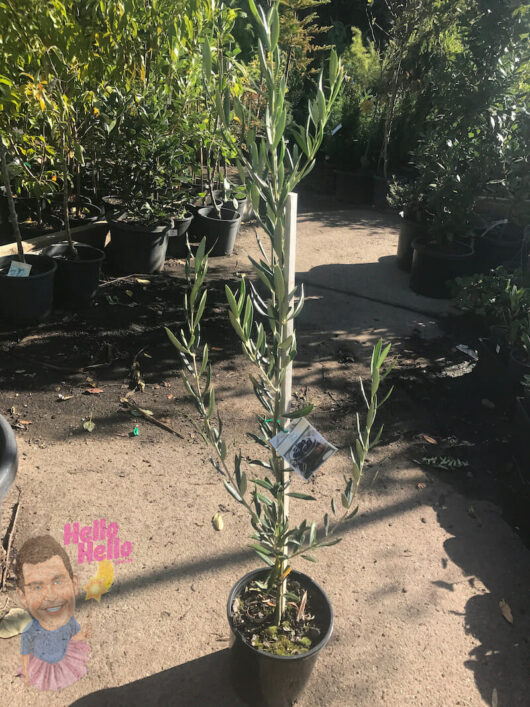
(500, 660)
(493, 560)
(201, 682)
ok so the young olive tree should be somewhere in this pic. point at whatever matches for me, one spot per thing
(272, 168)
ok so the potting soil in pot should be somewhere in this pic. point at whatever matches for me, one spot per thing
(253, 616)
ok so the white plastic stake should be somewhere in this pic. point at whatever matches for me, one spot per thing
(289, 271)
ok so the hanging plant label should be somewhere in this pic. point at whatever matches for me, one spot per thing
(17, 269)
(303, 448)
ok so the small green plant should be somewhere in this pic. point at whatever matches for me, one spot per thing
(499, 296)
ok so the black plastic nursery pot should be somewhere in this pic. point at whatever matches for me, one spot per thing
(518, 368)
(266, 680)
(244, 208)
(491, 372)
(137, 249)
(27, 300)
(409, 231)
(113, 205)
(95, 236)
(220, 233)
(176, 244)
(492, 251)
(8, 457)
(76, 280)
(521, 435)
(433, 268)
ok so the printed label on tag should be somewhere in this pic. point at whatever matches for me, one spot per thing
(17, 269)
(303, 448)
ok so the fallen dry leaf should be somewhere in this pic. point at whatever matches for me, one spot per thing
(91, 381)
(14, 622)
(430, 440)
(506, 611)
(129, 292)
(217, 521)
(61, 398)
(25, 422)
(421, 485)
(140, 281)
(94, 391)
(170, 397)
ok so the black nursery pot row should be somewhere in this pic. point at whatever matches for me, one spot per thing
(432, 268)
(135, 248)
(56, 277)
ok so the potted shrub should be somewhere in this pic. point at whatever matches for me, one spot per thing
(61, 91)
(236, 198)
(497, 244)
(451, 181)
(23, 299)
(181, 220)
(32, 179)
(407, 197)
(274, 665)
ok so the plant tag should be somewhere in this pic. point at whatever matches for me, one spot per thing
(17, 269)
(469, 352)
(303, 448)
(336, 130)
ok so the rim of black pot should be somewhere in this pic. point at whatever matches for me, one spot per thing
(511, 236)
(48, 220)
(140, 228)
(286, 658)
(99, 254)
(236, 214)
(107, 197)
(9, 458)
(29, 258)
(97, 210)
(181, 219)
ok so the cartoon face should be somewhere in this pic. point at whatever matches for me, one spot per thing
(49, 592)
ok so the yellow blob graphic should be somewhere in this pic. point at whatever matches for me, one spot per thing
(101, 583)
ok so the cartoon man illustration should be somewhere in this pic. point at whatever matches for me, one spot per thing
(53, 646)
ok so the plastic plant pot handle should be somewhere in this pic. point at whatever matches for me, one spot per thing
(8, 459)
